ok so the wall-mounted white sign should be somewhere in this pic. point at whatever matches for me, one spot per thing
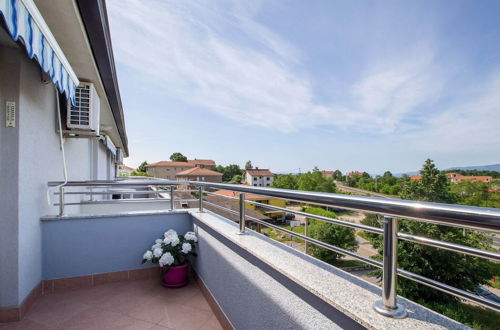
(10, 114)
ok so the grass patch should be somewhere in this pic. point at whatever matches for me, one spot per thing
(284, 237)
(473, 316)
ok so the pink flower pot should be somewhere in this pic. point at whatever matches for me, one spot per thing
(175, 277)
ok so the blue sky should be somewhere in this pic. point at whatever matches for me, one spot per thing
(349, 85)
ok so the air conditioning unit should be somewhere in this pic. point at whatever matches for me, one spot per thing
(85, 115)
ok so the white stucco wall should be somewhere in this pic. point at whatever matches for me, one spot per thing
(30, 157)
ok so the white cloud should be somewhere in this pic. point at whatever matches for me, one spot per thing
(469, 126)
(217, 56)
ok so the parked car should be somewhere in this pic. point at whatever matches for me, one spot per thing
(481, 291)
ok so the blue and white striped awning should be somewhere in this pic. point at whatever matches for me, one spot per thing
(25, 23)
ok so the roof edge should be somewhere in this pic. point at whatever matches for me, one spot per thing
(95, 20)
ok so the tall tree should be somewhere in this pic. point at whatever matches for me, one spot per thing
(315, 181)
(248, 165)
(286, 181)
(455, 269)
(432, 187)
(337, 175)
(178, 157)
(142, 167)
(336, 235)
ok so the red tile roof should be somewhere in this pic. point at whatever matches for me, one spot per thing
(165, 163)
(205, 162)
(259, 172)
(125, 167)
(416, 177)
(198, 171)
(327, 172)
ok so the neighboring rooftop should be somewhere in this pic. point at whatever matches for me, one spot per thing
(167, 163)
(199, 171)
(202, 162)
(259, 172)
(126, 168)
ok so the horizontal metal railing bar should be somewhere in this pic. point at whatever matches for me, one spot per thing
(446, 214)
(409, 275)
(119, 192)
(124, 192)
(412, 238)
(129, 200)
(322, 218)
(449, 289)
(305, 238)
(450, 246)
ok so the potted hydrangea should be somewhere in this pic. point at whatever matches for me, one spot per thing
(172, 254)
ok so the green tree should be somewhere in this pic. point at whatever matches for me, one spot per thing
(336, 235)
(178, 157)
(432, 187)
(337, 175)
(142, 167)
(237, 178)
(286, 181)
(314, 181)
(455, 269)
(248, 165)
(230, 171)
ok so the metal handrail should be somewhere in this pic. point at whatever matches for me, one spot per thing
(469, 217)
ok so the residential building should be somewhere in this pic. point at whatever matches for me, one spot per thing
(268, 200)
(124, 170)
(259, 177)
(354, 173)
(456, 178)
(327, 174)
(204, 163)
(54, 55)
(167, 169)
(199, 174)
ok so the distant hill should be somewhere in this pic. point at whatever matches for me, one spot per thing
(494, 167)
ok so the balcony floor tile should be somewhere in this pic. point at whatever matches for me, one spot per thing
(137, 304)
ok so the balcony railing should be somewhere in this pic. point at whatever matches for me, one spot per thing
(467, 217)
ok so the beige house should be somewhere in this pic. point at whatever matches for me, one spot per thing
(167, 169)
(199, 174)
(205, 163)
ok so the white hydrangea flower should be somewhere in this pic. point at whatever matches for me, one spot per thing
(167, 240)
(186, 248)
(158, 241)
(170, 232)
(166, 260)
(148, 255)
(157, 252)
(156, 246)
(175, 240)
(191, 236)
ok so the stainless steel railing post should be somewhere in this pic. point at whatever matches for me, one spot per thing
(242, 214)
(172, 198)
(306, 231)
(388, 306)
(61, 201)
(201, 199)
